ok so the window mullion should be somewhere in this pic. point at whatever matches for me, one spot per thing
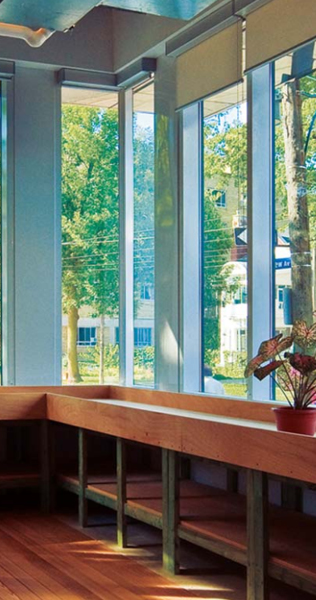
(260, 229)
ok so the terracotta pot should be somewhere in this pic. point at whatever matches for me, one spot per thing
(295, 420)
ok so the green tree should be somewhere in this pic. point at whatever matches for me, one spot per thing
(217, 242)
(89, 217)
(295, 185)
(143, 209)
(225, 161)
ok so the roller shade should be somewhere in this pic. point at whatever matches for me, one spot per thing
(278, 27)
(210, 66)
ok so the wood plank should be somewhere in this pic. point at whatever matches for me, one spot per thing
(101, 497)
(82, 476)
(222, 547)
(300, 579)
(22, 406)
(15, 475)
(121, 492)
(62, 578)
(170, 492)
(19, 589)
(6, 593)
(34, 565)
(144, 514)
(12, 565)
(101, 571)
(236, 408)
(98, 475)
(46, 472)
(213, 519)
(216, 520)
(80, 391)
(68, 484)
(257, 536)
(89, 560)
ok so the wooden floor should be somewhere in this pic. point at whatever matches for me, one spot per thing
(50, 558)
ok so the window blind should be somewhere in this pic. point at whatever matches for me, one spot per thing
(278, 27)
(212, 65)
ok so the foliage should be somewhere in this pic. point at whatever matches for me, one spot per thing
(144, 357)
(212, 357)
(110, 356)
(234, 365)
(225, 157)
(89, 364)
(90, 208)
(143, 207)
(225, 166)
(225, 150)
(296, 372)
(217, 242)
(90, 211)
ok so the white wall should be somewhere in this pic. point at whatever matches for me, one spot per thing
(36, 227)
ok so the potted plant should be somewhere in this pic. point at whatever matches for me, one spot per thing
(294, 374)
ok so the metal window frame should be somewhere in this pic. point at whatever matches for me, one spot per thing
(260, 212)
(7, 230)
(190, 250)
(126, 194)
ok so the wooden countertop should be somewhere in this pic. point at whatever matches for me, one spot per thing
(236, 432)
(234, 440)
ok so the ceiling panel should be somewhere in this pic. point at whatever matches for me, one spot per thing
(177, 9)
(61, 14)
(89, 97)
(52, 14)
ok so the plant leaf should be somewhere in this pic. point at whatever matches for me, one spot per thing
(304, 336)
(262, 372)
(253, 364)
(273, 346)
(302, 362)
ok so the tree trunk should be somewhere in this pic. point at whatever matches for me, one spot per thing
(301, 264)
(73, 367)
(101, 345)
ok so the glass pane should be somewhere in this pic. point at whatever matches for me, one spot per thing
(90, 236)
(4, 144)
(224, 242)
(144, 290)
(295, 188)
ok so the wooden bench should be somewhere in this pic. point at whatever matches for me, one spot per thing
(237, 433)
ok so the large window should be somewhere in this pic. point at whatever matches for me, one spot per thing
(144, 291)
(224, 242)
(90, 236)
(295, 187)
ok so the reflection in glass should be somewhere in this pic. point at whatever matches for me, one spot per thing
(295, 187)
(224, 251)
(90, 236)
(144, 290)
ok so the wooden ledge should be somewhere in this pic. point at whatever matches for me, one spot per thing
(22, 406)
(226, 437)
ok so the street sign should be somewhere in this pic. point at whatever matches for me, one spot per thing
(282, 263)
(240, 236)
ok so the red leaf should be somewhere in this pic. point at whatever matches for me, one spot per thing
(273, 346)
(262, 372)
(302, 362)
